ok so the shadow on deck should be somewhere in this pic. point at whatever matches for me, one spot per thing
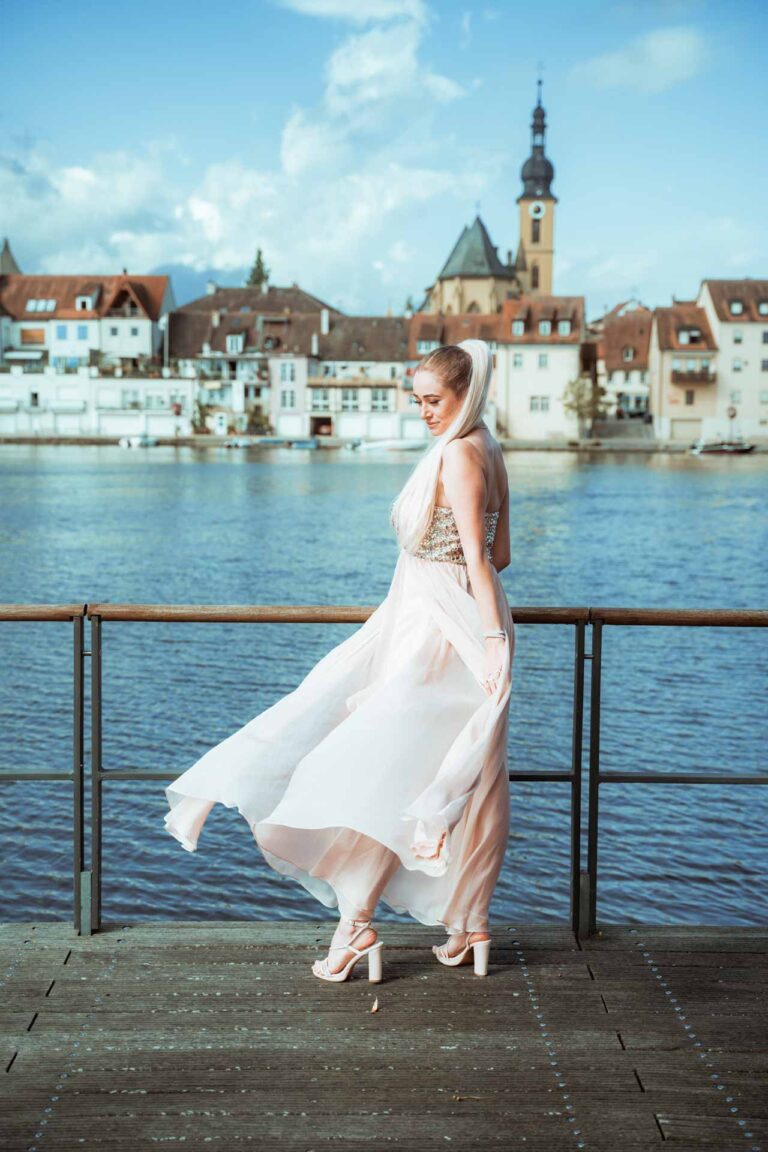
(217, 1034)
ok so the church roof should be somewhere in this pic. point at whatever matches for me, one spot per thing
(8, 265)
(475, 255)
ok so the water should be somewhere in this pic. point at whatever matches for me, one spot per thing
(86, 524)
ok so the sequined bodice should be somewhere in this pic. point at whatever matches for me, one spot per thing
(441, 541)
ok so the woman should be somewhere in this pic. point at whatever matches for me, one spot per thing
(384, 774)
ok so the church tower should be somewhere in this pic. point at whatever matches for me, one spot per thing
(537, 212)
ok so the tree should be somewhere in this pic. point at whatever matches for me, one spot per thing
(259, 274)
(409, 305)
(586, 400)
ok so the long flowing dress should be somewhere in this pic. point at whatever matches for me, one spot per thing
(385, 771)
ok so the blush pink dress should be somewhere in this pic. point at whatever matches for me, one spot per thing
(384, 773)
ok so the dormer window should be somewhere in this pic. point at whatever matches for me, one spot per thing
(235, 342)
(518, 327)
(628, 353)
(545, 327)
(737, 307)
(83, 303)
(564, 327)
(762, 307)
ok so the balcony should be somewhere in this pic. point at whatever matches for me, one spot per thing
(699, 376)
(353, 382)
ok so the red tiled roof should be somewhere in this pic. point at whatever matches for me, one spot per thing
(275, 301)
(375, 338)
(630, 330)
(749, 292)
(683, 315)
(17, 289)
(531, 309)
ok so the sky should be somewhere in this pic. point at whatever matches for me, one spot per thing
(352, 140)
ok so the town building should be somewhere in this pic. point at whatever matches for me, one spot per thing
(737, 311)
(622, 337)
(682, 362)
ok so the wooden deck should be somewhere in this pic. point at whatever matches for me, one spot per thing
(217, 1035)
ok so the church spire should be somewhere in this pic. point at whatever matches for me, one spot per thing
(537, 173)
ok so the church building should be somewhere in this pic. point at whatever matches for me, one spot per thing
(473, 278)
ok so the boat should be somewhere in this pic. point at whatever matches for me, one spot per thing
(394, 444)
(139, 440)
(274, 441)
(718, 446)
(238, 442)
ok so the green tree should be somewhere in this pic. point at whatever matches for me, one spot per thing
(586, 400)
(259, 274)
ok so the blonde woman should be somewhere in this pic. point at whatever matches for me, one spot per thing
(384, 774)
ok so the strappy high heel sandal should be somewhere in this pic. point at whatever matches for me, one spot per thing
(373, 952)
(480, 950)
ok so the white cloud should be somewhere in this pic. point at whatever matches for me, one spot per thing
(651, 63)
(358, 11)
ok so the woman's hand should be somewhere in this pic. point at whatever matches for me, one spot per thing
(494, 658)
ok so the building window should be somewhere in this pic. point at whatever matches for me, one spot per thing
(628, 353)
(545, 327)
(517, 360)
(675, 364)
(535, 231)
(535, 276)
(736, 396)
(738, 336)
(113, 331)
(762, 307)
(287, 370)
(287, 397)
(518, 327)
(83, 303)
(538, 403)
(380, 399)
(736, 364)
(235, 342)
(82, 331)
(764, 396)
(691, 365)
(682, 336)
(130, 398)
(543, 359)
(134, 331)
(320, 400)
(690, 395)
(423, 346)
(350, 399)
(736, 307)
(564, 327)
(61, 331)
(393, 371)
(764, 365)
(765, 335)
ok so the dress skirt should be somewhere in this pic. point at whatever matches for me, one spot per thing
(384, 773)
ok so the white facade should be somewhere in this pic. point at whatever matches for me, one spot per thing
(85, 403)
(531, 380)
(742, 370)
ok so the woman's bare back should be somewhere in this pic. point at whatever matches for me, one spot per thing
(492, 462)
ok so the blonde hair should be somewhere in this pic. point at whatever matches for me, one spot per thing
(466, 369)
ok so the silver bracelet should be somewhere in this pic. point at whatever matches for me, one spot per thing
(490, 635)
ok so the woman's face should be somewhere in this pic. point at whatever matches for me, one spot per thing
(438, 406)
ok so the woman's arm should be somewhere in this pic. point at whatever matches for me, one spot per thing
(465, 486)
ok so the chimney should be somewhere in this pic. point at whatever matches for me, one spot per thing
(211, 287)
(315, 344)
(215, 318)
(509, 257)
(325, 321)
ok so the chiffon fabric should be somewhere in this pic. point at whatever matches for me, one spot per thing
(384, 774)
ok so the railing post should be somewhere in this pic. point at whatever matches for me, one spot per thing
(577, 738)
(594, 772)
(94, 887)
(78, 766)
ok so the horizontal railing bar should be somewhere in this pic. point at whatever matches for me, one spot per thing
(36, 775)
(696, 617)
(677, 778)
(295, 613)
(41, 611)
(170, 774)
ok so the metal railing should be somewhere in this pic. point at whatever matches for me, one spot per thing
(87, 883)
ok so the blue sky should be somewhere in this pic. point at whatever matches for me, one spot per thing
(353, 139)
